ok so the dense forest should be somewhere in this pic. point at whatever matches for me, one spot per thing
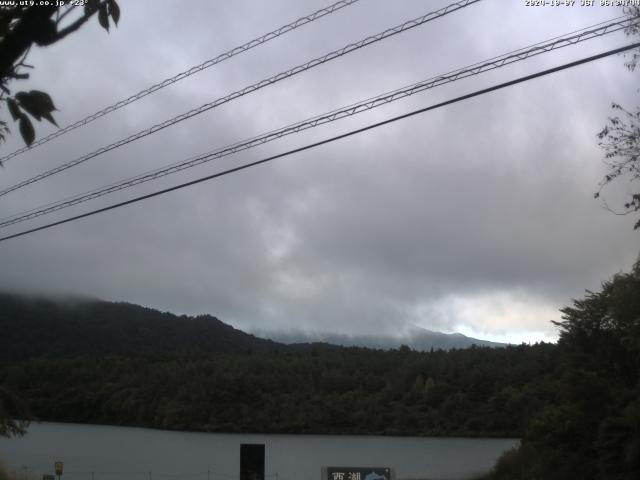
(575, 404)
(591, 427)
(348, 390)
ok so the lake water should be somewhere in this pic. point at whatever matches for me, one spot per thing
(93, 452)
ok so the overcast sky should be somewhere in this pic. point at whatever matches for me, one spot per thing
(477, 218)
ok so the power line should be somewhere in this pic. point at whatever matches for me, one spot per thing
(329, 140)
(521, 54)
(573, 38)
(187, 73)
(252, 88)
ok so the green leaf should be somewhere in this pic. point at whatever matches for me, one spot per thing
(114, 11)
(4, 130)
(49, 117)
(43, 99)
(26, 130)
(14, 110)
(37, 103)
(4, 25)
(28, 105)
(103, 16)
(91, 6)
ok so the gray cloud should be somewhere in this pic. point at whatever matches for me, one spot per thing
(477, 217)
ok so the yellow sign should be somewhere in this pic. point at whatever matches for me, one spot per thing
(58, 468)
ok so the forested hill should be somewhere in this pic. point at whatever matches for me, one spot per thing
(574, 404)
(416, 338)
(35, 327)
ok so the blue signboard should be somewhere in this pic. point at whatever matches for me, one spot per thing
(358, 473)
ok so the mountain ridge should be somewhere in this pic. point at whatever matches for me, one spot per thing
(35, 326)
(416, 338)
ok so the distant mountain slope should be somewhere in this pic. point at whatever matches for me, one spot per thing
(416, 338)
(33, 327)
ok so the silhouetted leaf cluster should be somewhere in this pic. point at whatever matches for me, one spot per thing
(620, 138)
(23, 25)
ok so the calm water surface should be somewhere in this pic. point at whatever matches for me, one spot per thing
(93, 452)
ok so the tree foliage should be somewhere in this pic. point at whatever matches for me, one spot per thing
(633, 11)
(467, 392)
(122, 364)
(576, 405)
(591, 430)
(620, 138)
(22, 26)
(67, 328)
(14, 414)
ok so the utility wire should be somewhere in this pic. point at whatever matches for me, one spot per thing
(329, 140)
(353, 109)
(187, 73)
(572, 38)
(252, 88)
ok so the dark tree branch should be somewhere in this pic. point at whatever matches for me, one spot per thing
(21, 37)
(75, 25)
(36, 26)
(66, 12)
(20, 27)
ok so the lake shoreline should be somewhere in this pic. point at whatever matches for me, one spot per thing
(335, 434)
(469, 435)
(138, 453)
